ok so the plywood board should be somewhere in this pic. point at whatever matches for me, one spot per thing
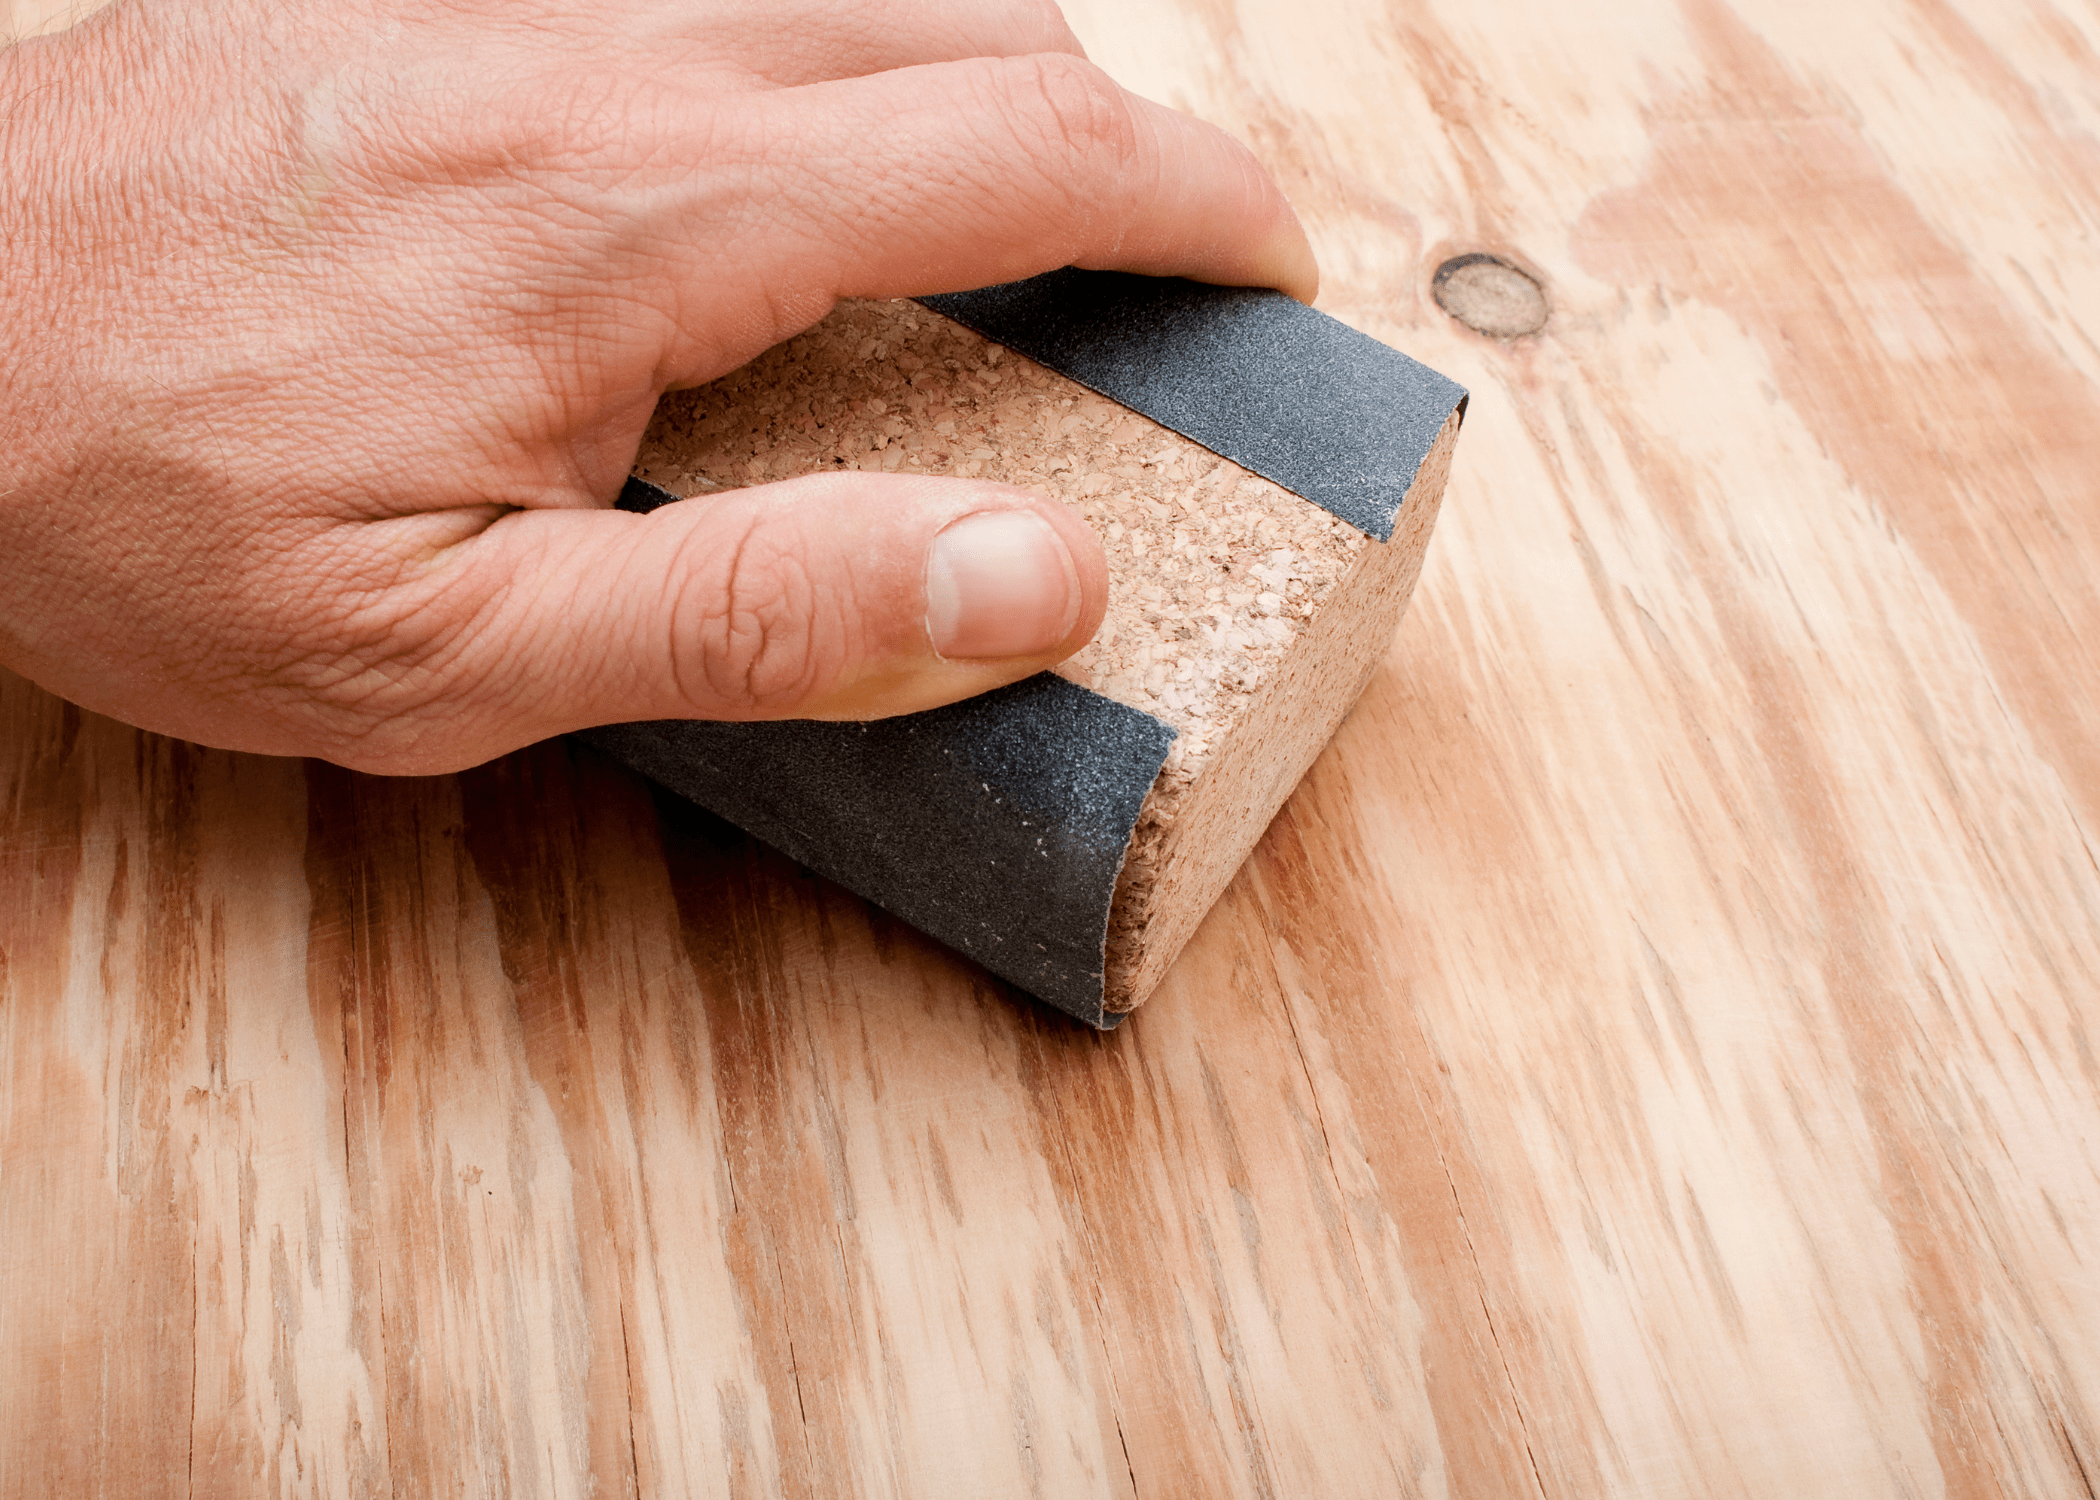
(1653, 1054)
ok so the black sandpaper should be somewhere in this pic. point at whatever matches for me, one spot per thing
(997, 824)
(1252, 375)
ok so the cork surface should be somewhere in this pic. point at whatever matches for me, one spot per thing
(1206, 811)
(1280, 388)
(1216, 575)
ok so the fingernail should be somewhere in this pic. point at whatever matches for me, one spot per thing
(1000, 583)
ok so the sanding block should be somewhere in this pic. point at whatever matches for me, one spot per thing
(1264, 480)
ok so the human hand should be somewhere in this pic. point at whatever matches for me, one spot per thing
(331, 332)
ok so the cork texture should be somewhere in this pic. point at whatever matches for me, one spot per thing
(1239, 614)
(1331, 414)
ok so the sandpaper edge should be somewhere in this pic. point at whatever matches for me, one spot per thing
(1027, 846)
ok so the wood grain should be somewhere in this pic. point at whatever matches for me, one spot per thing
(1653, 1055)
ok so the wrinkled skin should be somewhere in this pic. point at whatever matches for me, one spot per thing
(330, 332)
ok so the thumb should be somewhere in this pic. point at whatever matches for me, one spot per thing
(847, 596)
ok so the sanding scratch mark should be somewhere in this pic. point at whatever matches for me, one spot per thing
(1124, 1438)
(1487, 1314)
(787, 1331)
(1061, 1136)
(1458, 1211)
(634, 1462)
(1341, 1196)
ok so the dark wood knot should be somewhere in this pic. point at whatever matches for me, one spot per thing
(1490, 296)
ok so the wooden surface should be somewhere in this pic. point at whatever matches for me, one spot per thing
(1653, 1055)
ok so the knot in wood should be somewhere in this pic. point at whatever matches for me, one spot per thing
(1490, 296)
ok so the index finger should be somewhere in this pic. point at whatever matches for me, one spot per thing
(963, 174)
(795, 42)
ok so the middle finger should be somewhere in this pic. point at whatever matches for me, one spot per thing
(786, 43)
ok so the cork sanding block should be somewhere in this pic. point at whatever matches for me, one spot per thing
(1264, 480)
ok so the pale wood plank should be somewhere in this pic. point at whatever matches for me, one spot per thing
(1748, 547)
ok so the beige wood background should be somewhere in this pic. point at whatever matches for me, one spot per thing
(1654, 1055)
(27, 18)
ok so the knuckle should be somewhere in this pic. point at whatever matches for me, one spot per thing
(753, 634)
(374, 703)
(1074, 110)
(378, 680)
(519, 123)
